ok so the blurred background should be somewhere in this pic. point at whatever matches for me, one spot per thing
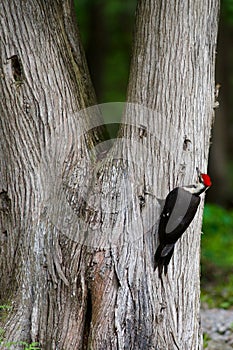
(106, 29)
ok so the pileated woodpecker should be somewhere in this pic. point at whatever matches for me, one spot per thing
(179, 210)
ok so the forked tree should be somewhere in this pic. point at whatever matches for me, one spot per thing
(79, 217)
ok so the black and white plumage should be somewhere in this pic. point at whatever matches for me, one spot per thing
(179, 210)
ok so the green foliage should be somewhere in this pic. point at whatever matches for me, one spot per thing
(217, 241)
(2, 332)
(25, 345)
(206, 340)
(11, 344)
(218, 294)
(5, 307)
(113, 23)
(4, 310)
(227, 11)
(32, 346)
(217, 257)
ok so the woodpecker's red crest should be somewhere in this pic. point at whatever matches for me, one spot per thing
(206, 180)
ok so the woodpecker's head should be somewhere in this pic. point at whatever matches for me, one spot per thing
(205, 180)
(203, 183)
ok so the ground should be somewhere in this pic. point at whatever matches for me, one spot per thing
(217, 326)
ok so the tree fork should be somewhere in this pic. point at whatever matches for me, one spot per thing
(68, 295)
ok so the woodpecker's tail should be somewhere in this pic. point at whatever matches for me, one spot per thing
(162, 257)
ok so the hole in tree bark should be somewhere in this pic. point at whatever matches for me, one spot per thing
(88, 317)
(186, 144)
(5, 202)
(16, 68)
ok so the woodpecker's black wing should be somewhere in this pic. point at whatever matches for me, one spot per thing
(166, 212)
(178, 212)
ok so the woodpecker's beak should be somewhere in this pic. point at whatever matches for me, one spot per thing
(199, 174)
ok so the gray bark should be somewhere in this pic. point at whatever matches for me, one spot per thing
(172, 72)
(44, 82)
(90, 284)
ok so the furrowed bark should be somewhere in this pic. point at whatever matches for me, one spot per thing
(44, 83)
(172, 72)
(78, 229)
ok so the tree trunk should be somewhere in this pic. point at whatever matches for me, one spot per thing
(78, 228)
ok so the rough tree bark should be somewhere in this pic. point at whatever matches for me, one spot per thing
(78, 227)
